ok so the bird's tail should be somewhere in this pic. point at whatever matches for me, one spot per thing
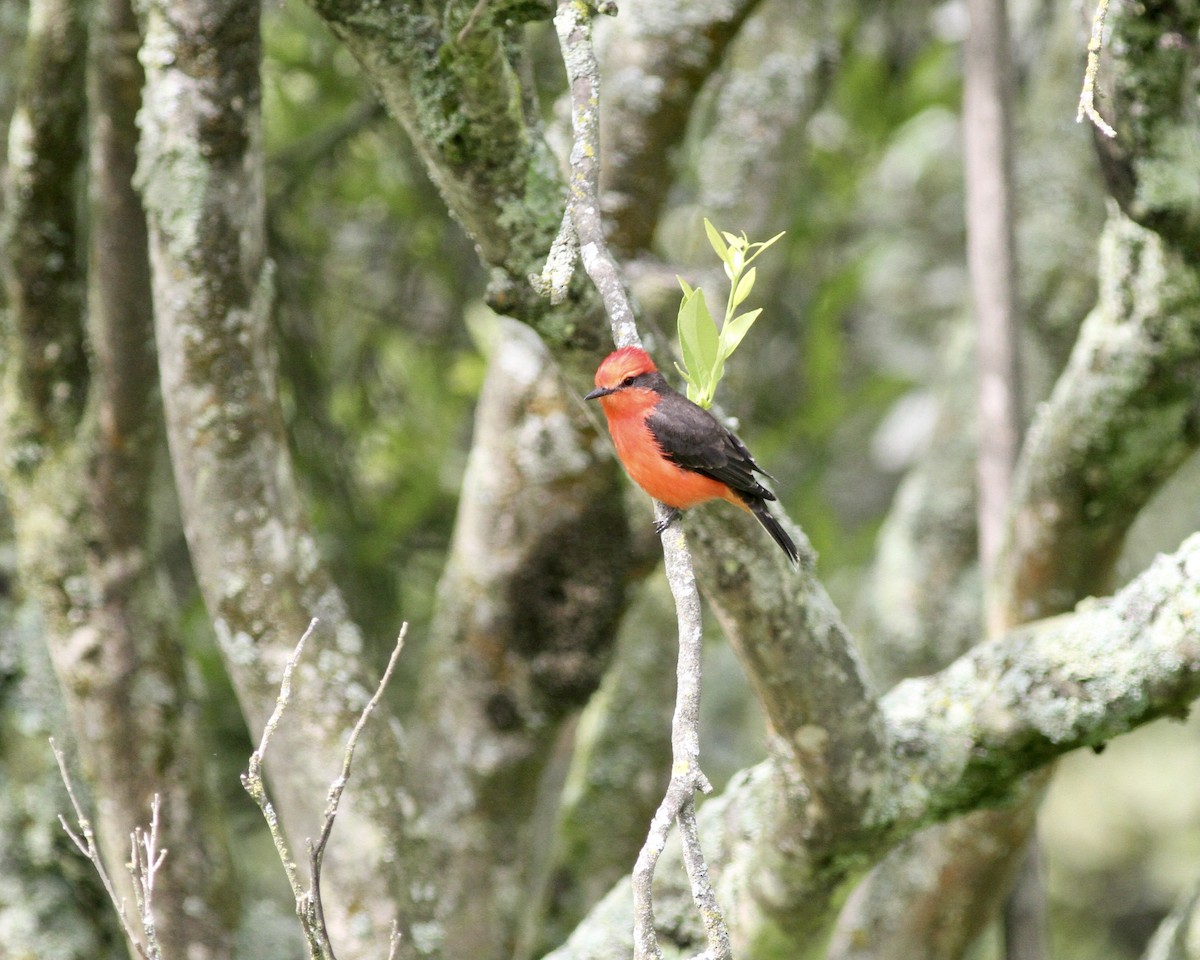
(773, 527)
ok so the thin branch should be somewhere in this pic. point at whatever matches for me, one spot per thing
(85, 841)
(1087, 96)
(144, 860)
(991, 254)
(252, 781)
(309, 906)
(991, 250)
(317, 852)
(573, 23)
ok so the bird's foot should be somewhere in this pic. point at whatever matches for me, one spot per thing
(673, 514)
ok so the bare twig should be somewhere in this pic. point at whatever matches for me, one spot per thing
(85, 841)
(252, 781)
(573, 23)
(309, 907)
(144, 860)
(317, 852)
(1087, 96)
(394, 941)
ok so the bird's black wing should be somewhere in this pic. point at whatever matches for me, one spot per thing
(694, 439)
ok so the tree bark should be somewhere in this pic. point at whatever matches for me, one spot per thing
(200, 173)
(521, 636)
(81, 492)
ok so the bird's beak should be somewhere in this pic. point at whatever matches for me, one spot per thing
(599, 392)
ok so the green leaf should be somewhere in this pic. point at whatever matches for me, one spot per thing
(687, 290)
(735, 330)
(745, 285)
(698, 338)
(766, 243)
(714, 238)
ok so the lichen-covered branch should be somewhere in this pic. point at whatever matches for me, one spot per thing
(521, 635)
(44, 339)
(1123, 416)
(80, 474)
(959, 740)
(1150, 83)
(800, 659)
(451, 79)
(200, 172)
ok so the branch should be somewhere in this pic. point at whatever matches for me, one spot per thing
(309, 906)
(145, 858)
(453, 82)
(660, 56)
(573, 23)
(522, 632)
(991, 256)
(252, 781)
(958, 740)
(316, 854)
(1087, 96)
(40, 231)
(988, 90)
(1120, 420)
(251, 545)
(85, 842)
(964, 735)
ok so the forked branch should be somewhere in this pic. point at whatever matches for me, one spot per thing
(144, 863)
(309, 907)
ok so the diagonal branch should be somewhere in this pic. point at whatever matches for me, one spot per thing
(257, 564)
(962, 739)
(310, 907)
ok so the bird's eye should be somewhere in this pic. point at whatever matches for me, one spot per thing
(628, 381)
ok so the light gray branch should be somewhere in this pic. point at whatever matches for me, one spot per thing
(255, 558)
(991, 256)
(1087, 96)
(573, 23)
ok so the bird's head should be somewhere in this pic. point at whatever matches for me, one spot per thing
(626, 370)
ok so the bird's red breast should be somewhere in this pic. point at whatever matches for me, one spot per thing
(644, 461)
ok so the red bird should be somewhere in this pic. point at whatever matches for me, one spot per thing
(673, 449)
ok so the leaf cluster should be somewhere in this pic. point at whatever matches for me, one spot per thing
(705, 348)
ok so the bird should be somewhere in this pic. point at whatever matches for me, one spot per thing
(674, 449)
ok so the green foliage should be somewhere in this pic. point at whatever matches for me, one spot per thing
(704, 349)
(378, 375)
